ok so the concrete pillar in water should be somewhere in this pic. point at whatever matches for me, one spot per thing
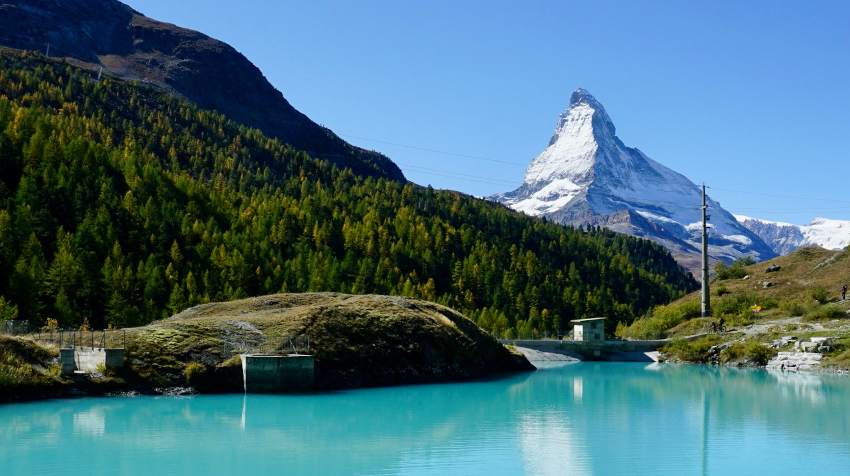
(66, 358)
(277, 373)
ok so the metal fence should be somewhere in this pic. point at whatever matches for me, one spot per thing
(14, 328)
(268, 345)
(533, 335)
(70, 338)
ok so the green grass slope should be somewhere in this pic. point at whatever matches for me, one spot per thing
(801, 298)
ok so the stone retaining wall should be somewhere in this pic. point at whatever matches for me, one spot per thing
(89, 359)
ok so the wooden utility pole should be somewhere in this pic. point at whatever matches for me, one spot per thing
(706, 300)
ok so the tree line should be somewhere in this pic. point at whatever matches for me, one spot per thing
(120, 205)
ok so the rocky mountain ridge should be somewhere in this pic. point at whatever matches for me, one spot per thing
(185, 63)
(786, 237)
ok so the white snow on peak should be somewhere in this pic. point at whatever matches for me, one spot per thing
(586, 166)
(571, 152)
(584, 153)
(740, 239)
(823, 232)
(743, 218)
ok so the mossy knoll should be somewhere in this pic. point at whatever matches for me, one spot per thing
(357, 340)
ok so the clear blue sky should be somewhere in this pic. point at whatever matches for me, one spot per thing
(745, 96)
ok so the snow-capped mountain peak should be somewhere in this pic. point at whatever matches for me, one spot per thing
(586, 175)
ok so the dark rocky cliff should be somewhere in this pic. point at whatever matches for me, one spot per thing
(183, 62)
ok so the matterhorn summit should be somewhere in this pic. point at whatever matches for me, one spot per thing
(587, 176)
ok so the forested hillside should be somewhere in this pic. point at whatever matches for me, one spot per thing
(120, 205)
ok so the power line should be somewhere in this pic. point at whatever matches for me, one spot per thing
(783, 196)
(784, 212)
(827, 209)
(456, 176)
(460, 175)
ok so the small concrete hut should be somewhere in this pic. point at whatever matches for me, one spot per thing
(589, 330)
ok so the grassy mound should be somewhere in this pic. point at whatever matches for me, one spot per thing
(358, 341)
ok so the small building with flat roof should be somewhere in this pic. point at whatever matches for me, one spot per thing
(591, 329)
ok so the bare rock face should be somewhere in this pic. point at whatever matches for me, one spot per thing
(795, 361)
(183, 62)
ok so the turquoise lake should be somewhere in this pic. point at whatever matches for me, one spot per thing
(580, 419)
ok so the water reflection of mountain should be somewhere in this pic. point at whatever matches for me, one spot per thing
(593, 418)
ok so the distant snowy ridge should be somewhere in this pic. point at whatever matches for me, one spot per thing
(587, 176)
(786, 237)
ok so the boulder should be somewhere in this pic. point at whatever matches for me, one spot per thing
(780, 343)
(767, 284)
(772, 268)
(809, 346)
(823, 340)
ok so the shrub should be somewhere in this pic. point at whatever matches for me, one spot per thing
(839, 361)
(723, 271)
(54, 370)
(692, 351)
(622, 330)
(824, 313)
(660, 320)
(736, 305)
(792, 308)
(745, 261)
(818, 293)
(721, 290)
(194, 370)
(8, 311)
(750, 352)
